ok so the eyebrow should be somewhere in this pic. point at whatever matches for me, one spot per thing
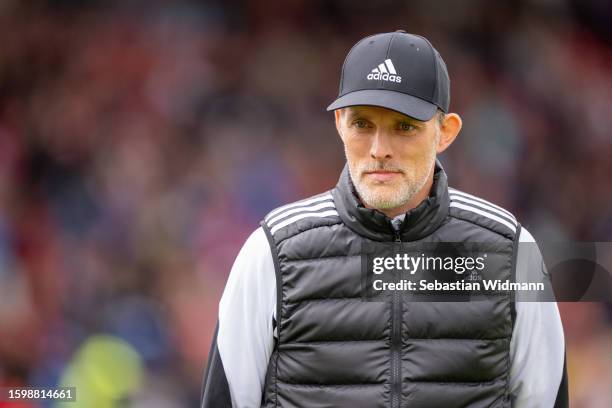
(352, 114)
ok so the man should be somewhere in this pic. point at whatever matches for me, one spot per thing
(293, 330)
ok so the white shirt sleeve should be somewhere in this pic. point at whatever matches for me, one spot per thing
(537, 349)
(245, 337)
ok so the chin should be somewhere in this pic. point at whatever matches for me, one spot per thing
(385, 204)
(381, 199)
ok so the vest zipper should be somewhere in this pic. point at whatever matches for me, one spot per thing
(396, 338)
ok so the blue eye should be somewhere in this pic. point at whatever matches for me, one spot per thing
(407, 127)
(360, 124)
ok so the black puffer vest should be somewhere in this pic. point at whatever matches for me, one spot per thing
(335, 350)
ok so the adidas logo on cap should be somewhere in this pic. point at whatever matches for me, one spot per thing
(386, 72)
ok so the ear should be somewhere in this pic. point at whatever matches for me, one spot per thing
(449, 129)
(338, 116)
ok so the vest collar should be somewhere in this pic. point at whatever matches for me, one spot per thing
(419, 222)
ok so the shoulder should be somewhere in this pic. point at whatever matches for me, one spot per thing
(293, 218)
(481, 212)
(253, 263)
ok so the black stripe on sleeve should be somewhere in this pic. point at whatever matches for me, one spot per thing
(215, 390)
(515, 251)
(562, 400)
(279, 292)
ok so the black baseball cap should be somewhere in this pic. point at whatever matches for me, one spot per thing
(398, 71)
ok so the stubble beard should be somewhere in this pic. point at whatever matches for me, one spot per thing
(390, 196)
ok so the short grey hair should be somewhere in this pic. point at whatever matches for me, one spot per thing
(440, 116)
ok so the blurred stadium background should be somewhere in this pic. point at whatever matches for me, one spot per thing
(142, 141)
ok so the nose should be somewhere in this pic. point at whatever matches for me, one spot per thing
(381, 145)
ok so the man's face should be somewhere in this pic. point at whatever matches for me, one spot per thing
(390, 156)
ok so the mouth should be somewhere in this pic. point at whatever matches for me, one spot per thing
(382, 175)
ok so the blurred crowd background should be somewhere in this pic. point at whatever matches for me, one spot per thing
(142, 141)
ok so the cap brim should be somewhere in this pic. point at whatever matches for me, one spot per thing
(403, 103)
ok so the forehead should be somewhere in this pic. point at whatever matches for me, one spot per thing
(375, 112)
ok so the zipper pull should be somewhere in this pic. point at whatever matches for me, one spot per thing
(397, 226)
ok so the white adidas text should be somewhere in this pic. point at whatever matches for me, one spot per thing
(384, 71)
